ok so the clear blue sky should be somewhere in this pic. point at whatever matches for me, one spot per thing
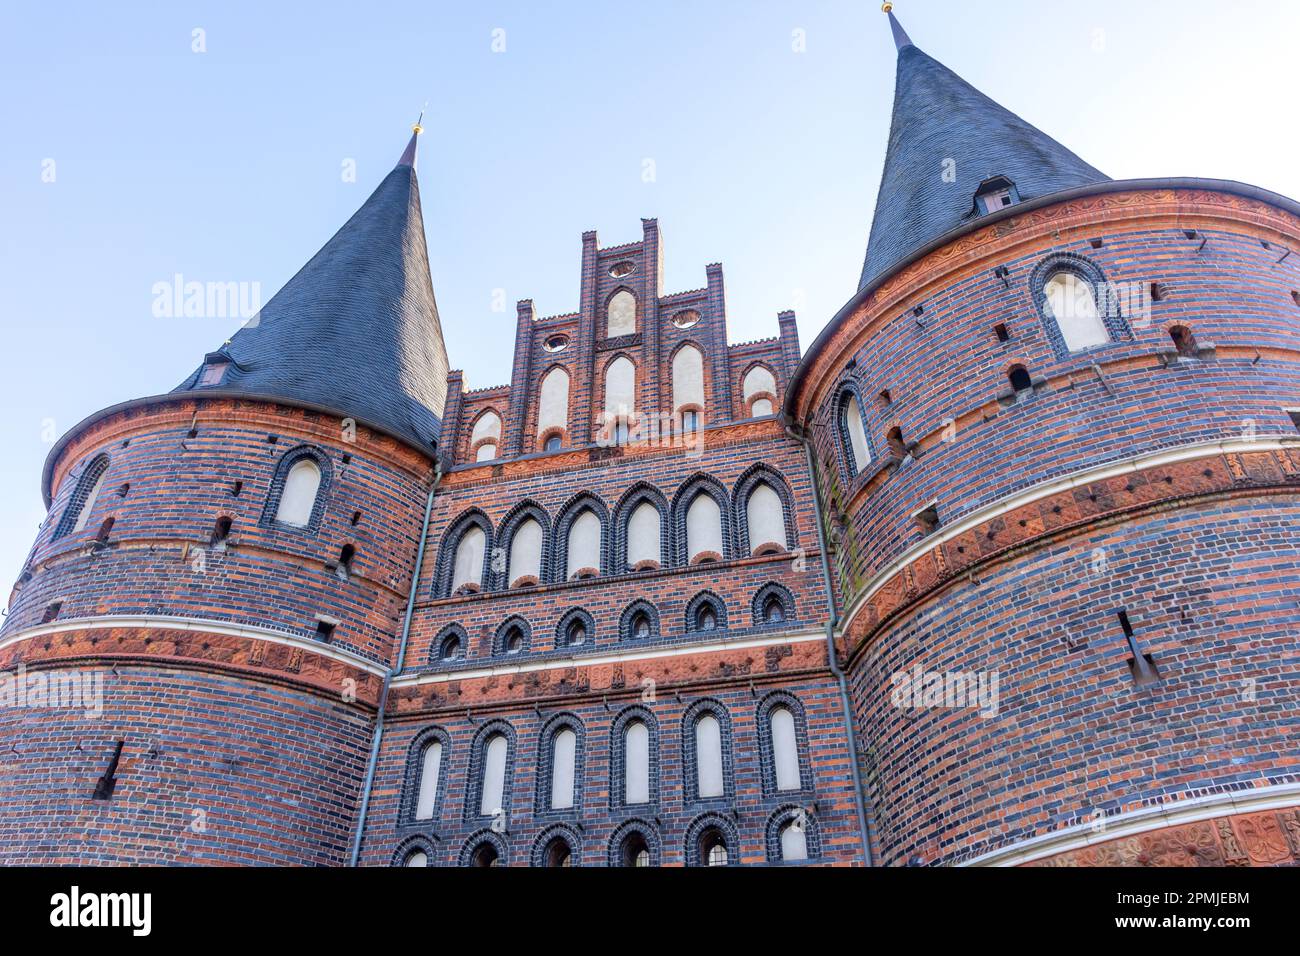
(226, 165)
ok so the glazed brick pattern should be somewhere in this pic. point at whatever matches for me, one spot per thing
(214, 770)
(605, 598)
(451, 828)
(1232, 293)
(268, 575)
(1246, 839)
(651, 349)
(1211, 591)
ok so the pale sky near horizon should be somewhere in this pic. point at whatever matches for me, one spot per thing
(227, 165)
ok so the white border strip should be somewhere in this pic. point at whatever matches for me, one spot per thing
(197, 624)
(1051, 487)
(1176, 812)
(736, 644)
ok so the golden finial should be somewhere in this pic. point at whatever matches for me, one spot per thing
(417, 128)
(886, 7)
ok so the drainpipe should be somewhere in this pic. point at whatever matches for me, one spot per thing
(832, 621)
(396, 669)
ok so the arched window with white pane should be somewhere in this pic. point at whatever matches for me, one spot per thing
(299, 491)
(643, 535)
(620, 390)
(525, 565)
(781, 744)
(621, 314)
(688, 379)
(467, 571)
(485, 437)
(706, 741)
(794, 841)
(765, 518)
(708, 757)
(492, 778)
(704, 529)
(1071, 301)
(634, 755)
(430, 768)
(758, 389)
(853, 433)
(584, 545)
(553, 406)
(562, 768)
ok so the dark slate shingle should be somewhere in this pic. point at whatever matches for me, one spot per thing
(356, 330)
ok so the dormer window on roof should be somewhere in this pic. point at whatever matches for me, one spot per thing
(994, 194)
(214, 369)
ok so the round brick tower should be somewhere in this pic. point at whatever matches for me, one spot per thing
(1057, 448)
(201, 633)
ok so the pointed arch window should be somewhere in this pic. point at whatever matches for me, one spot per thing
(765, 514)
(643, 535)
(430, 770)
(759, 391)
(704, 530)
(584, 545)
(485, 438)
(1079, 308)
(492, 795)
(794, 841)
(708, 757)
(785, 748)
(564, 750)
(621, 314)
(620, 390)
(1072, 302)
(526, 553)
(688, 380)
(553, 405)
(856, 448)
(468, 568)
(636, 749)
(298, 500)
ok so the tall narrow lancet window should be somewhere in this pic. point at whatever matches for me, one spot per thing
(468, 570)
(704, 529)
(636, 763)
(492, 800)
(526, 553)
(643, 528)
(759, 389)
(858, 452)
(765, 513)
(621, 316)
(708, 756)
(564, 749)
(1072, 302)
(584, 545)
(620, 390)
(299, 495)
(785, 749)
(485, 439)
(430, 768)
(553, 404)
(688, 380)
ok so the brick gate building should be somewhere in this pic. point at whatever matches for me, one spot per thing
(1002, 570)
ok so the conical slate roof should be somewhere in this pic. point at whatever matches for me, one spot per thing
(943, 124)
(356, 330)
